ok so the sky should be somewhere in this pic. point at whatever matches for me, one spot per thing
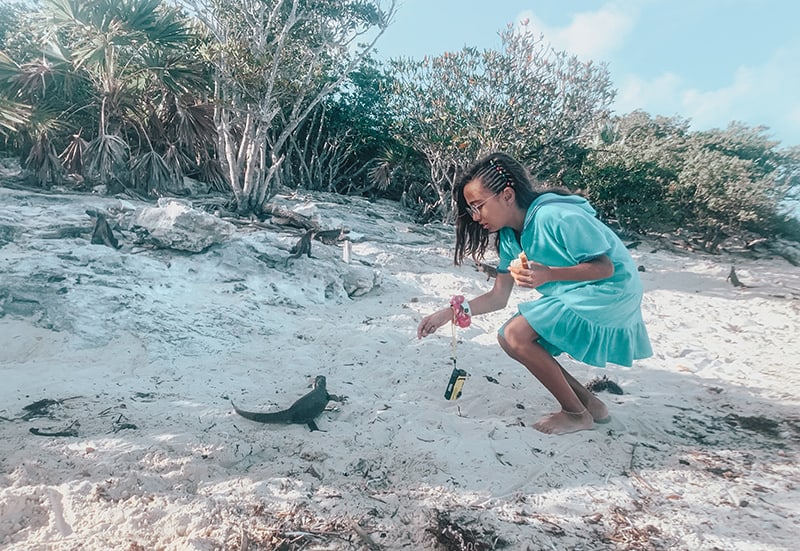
(709, 61)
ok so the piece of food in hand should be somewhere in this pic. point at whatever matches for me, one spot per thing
(521, 261)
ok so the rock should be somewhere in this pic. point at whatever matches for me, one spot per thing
(176, 225)
(358, 281)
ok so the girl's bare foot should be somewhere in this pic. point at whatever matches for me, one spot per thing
(563, 422)
(598, 409)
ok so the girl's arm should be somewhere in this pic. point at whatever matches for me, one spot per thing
(495, 299)
(539, 274)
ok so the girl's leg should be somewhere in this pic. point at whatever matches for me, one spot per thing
(595, 406)
(519, 341)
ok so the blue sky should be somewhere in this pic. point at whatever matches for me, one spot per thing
(710, 61)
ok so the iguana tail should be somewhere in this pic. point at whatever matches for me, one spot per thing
(274, 417)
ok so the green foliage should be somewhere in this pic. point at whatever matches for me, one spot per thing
(252, 94)
(528, 100)
(106, 158)
(13, 114)
(43, 163)
(149, 172)
(653, 174)
(109, 67)
(343, 145)
(276, 63)
(633, 165)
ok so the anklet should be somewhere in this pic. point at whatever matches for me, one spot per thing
(575, 413)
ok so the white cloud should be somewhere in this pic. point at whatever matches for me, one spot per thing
(590, 35)
(767, 94)
(760, 95)
(756, 95)
(659, 96)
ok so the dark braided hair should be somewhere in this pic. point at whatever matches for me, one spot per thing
(496, 172)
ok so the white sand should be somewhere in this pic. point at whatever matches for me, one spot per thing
(143, 349)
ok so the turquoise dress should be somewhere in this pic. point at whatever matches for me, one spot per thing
(595, 322)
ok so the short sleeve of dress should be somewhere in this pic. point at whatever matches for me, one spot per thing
(580, 236)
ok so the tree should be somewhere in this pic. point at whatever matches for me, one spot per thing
(13, 114)
(632, 169)
(652, 174)
(344, 144)
(541, 105)
(103, 78)
(275, 62)
(732, 180)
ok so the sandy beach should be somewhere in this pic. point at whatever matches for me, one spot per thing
(136, 353)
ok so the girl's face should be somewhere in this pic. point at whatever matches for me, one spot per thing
(487, 208)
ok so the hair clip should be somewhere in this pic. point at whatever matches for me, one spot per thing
(502, 172)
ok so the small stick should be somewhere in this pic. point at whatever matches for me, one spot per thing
(366, 538)
(633, 453)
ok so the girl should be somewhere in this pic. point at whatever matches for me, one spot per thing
(590, 304)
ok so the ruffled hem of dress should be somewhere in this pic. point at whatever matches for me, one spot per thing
(562, 330)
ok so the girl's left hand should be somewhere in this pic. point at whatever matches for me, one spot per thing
(536, 274)
(431, 323)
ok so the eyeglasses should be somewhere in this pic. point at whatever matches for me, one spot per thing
(475, 209)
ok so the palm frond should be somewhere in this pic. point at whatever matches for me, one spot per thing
(105, 158)
(32, 77)
(13, 115)
(160, 26)
(150, 173)
(66, 12)
(388, 162)
(43, 163)
(211, 173)
(177, 161)
(73, 155)
(177, 73)
(8, 69)
(193, 125)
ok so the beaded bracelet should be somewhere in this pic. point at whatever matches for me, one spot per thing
(461, 314)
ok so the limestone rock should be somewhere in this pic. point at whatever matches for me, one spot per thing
(176, 225)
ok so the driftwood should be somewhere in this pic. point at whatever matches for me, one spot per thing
(750, 245)
(68, 432)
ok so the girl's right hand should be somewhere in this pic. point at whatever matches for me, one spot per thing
(431, 323)
(536, 274)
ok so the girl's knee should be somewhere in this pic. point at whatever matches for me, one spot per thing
(506, 346)
(501, 340)
(510, 336)
(516, 334)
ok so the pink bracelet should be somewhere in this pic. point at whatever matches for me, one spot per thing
(461, 315)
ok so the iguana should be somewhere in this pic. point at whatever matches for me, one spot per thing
(303, 411)
(303, 246)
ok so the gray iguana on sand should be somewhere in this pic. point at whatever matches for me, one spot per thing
(303, 411)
